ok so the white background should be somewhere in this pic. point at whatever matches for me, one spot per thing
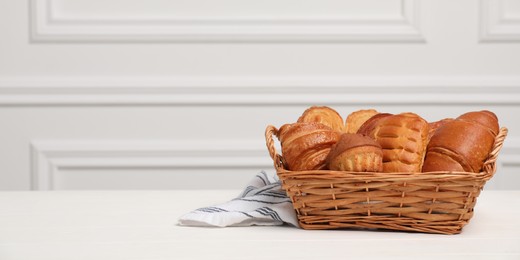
(177, 94)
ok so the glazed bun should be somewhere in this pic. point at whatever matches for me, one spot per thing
(462, 144)
(433, 126)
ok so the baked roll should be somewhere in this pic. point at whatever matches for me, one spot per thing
(324, 115)
(433, 126)
(463, 144)
(356, 153)
(305, 146)
(356, 119)
(403, 138)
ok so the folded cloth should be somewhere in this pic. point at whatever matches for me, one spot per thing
(263, 202)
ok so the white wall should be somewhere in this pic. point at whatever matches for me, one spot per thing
(177, 94)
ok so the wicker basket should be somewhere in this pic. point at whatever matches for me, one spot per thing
(433, 202)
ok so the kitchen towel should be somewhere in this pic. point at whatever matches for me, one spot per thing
(263, 202)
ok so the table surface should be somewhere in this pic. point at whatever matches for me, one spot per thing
(143, 225)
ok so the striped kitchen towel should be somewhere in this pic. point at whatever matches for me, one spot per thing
(263, 202)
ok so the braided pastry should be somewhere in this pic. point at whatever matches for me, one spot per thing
(403, 138)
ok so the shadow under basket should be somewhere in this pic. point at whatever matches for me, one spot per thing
(432, 202)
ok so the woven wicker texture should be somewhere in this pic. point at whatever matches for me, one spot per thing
(433, 202)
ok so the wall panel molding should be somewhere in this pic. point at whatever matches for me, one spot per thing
(495, 23)
(259, 91)
(404, 26)
(49, 157)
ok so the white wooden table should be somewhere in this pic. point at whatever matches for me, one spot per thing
(142, 225)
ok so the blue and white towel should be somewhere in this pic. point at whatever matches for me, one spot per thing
(263, 202)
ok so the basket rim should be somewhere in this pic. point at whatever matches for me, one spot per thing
(398, 176)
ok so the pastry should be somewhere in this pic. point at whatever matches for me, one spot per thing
(324, 115)
(403, 138)
(305, 146)
(369, 125)
(462, 144)
(356, 153)
(356, 119)
(433, 126)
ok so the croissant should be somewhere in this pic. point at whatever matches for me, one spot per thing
(403, 138)
(324, 115)
(462, 144)
(356, 119)
(357, 153)
(305, 146)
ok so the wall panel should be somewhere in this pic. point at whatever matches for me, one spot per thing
(500, 21)
(225, 20)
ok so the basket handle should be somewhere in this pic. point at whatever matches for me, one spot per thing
(278, 161)
(490, 163)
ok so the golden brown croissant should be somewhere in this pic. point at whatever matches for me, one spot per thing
(305, 146)
(356, 119)
(403, 138)
(462, 144)
(356, 153)
(324, 115)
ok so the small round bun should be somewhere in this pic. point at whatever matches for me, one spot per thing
(356, 153)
